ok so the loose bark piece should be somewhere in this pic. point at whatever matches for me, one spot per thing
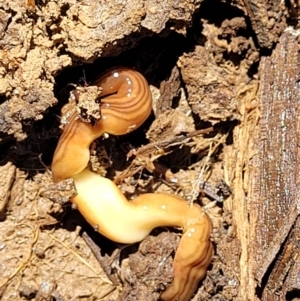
(59, 192)
(105, 261)
(274, 176)
(282, 277)
(292, 283)
(277, 242)
(169, 89)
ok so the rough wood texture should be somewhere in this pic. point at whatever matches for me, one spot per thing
(274, 177)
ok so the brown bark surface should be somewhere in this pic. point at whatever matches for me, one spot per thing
(274, 178)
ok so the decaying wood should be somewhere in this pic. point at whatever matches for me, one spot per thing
(268, 19)
(274, 176)
(276, 243)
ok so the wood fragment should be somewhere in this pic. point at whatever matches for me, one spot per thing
(59, 192)
(273, 195)
(104, 261)
(282, 272)
(277, 242)
(292, 283)
(169, 89)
